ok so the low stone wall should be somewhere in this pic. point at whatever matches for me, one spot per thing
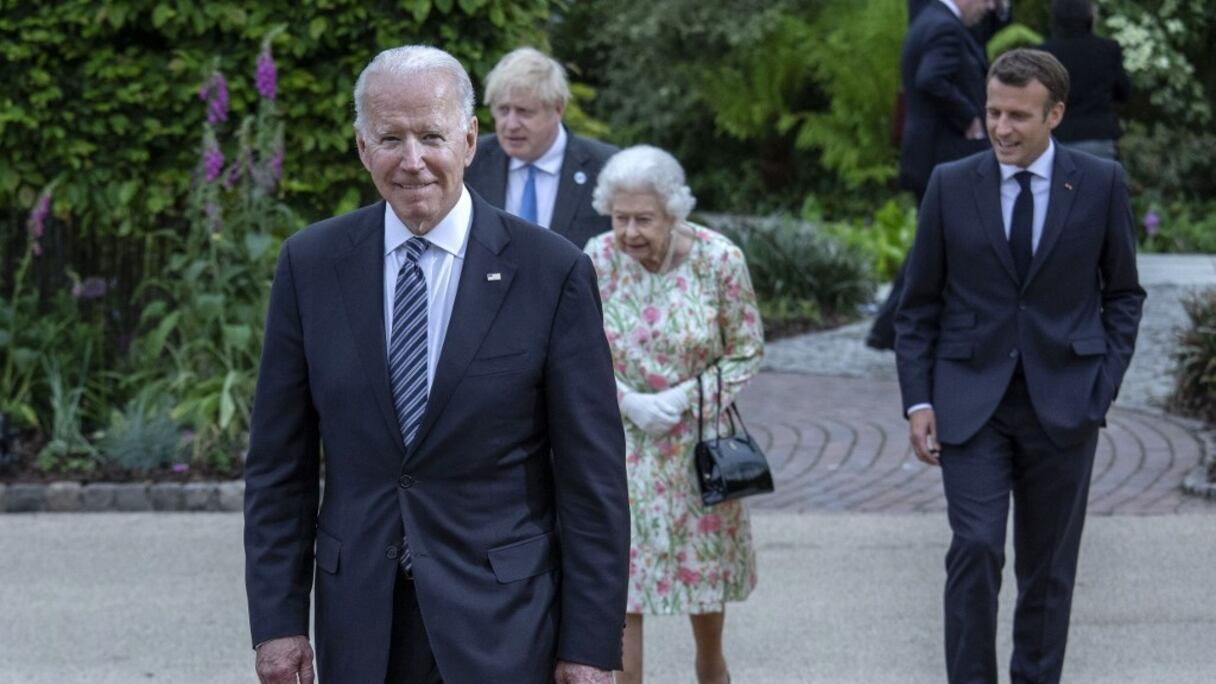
(74, 497)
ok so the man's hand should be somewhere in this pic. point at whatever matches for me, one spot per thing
(285, 661)
(922, 432)
(574, 673)
(976, 130)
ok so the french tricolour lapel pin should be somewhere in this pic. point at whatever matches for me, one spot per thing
(580, 177)
(493, 276)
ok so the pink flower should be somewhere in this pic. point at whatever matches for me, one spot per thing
(710, 523)
(640, 336)
(659, 489)
(664, 587)
(650, 314)
(688, 576)
(682, 284)
(657, 382)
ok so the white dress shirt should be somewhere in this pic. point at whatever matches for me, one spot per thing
(548, 173)
(953, 8)
(1040, 186)
(441, 264)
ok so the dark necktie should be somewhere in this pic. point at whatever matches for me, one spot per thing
(407, 356)
(1021, 226)
(527, 203)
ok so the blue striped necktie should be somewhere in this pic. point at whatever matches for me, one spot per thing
(527, 203)
(407, 356)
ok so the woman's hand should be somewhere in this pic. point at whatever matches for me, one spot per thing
(655, 414)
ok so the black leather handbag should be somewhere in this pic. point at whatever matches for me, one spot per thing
(729, 467)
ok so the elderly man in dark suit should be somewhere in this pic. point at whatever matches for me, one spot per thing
(451, 360)
(1017, 323)
(942, 70)
(532, 166)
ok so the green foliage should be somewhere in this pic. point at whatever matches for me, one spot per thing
(67, 449)
(789, 260)
(1195, 369)
(1179, 227)
(142, 437)
(756, 89)
(885, 238)
(1010, 37)
(106, 92)
(1166, 51)
(1170, 163)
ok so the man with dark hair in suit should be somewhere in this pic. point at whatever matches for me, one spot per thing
(451, 359)
(942, 70)
(532, 166)
(1017, 322)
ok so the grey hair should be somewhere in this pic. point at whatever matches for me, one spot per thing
(410, 60)
(528, 70)
(644, 168)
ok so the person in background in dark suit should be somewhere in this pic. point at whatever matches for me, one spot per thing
(984, 29)
(1017, 322)
(532, 166)
(942, 71)
(1095, 65)
(451, 360)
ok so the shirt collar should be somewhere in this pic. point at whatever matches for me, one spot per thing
(1040, 167)
(451, 234)
(953, 8)
(551, 161)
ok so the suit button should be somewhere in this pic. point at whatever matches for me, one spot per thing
(1021, 307)
(1013, 353)
(391, 553)
(406, 481)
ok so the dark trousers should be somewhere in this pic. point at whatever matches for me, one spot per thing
(410, 660)
(1050, 485)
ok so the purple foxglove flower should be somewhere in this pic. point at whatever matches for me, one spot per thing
(267, 76)
(41, 210)
(213, 163)
(215, 221)
(276, 164)
(1152, 222)
(180, 467)
(215, 93)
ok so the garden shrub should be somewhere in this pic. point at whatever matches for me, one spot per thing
(1195, 369)
(803, 278)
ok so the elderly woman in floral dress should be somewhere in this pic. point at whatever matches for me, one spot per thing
(678, 302)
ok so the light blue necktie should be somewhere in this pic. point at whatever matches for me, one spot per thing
(407, 357)
(527, 203)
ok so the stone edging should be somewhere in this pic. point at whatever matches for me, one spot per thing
(1196, 482)
(74, 497)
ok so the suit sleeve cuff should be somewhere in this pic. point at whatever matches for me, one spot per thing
(919, 407)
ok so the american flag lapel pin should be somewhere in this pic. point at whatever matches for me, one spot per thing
(1067, 185)
(493, 276)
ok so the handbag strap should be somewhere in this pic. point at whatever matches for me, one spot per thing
(732, 411)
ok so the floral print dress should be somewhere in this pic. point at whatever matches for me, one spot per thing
(665, 330)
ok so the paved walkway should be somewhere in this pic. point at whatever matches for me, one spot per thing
(827, 411)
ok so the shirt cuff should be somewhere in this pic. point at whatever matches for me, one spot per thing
(919, 407)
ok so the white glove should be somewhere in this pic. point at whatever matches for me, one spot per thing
(657, 413)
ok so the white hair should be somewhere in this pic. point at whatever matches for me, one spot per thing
(531, 71)
(411, 60)
(644, 168)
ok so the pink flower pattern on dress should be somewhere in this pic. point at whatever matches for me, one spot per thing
(664, 330)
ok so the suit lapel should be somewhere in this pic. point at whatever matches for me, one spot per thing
(477, 302)
(988, 204)
(499, 165)
(570, 191)
(1065, 179)
(361, 277)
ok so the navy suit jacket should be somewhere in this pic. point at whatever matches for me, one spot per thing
(573, 216)
(513, 493)
(965, 320)
(943, 72)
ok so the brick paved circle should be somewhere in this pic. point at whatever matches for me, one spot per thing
(840, 444)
